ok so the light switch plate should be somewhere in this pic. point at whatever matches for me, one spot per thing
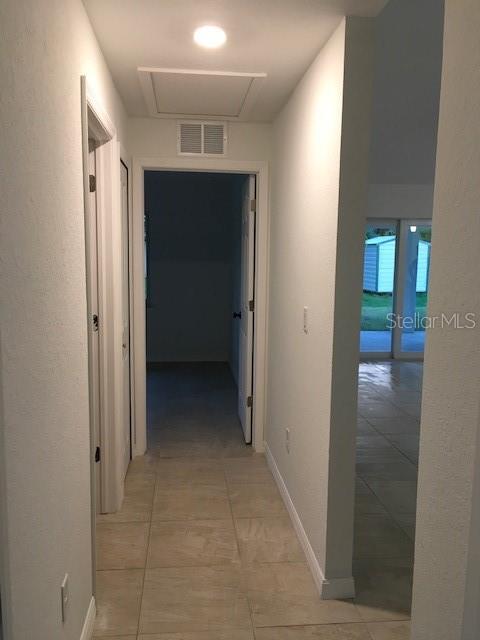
(305, 319)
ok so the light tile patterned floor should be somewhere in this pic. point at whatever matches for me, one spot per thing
(203, 548)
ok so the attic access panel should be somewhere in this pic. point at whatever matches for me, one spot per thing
(173, 93)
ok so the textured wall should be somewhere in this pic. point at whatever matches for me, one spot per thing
(319, 188)
(44, 49)
(447, 566)
(154, 137)
(408, 66)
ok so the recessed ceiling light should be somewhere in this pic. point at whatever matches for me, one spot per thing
(210, 36)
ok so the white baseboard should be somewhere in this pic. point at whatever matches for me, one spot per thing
(87, 631)
(334, 589)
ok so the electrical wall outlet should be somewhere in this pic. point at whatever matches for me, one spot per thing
(64, 597)
(287, 440)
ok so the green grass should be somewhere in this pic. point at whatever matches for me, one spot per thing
(376, 307)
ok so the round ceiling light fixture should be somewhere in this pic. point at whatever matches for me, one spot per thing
(210, 36)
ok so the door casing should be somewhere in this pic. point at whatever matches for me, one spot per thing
(97, 126)
(138, 332)
(402, 226)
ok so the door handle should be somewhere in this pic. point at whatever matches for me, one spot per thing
(237, 314)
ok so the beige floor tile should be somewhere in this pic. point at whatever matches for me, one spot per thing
(379, 536)
(315, 632)
(191, 502)
(256, 500)
(285, 595)
(192, 544)
(251, 470)
(392, 426)
(114, 637)
(268, 540)
(389, 630)
(138, 501)
(234, 447)
(383, 589)
(398, 496)
(118, 602)
(379, 409)
(393, 470)
(231, 634)
(408, 444)
(190, 470)
(365, 500)
(193, 599)
(407, 522)
(386, 453)
(146, 464)
(122, 545)
(171, 448)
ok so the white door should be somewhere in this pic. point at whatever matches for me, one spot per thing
(126, 431)
(93, 333)
(245, 374)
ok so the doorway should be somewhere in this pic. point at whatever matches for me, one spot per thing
(200, 315)
(392, 339)
(395, 289)
(107, 269)
(140, 261)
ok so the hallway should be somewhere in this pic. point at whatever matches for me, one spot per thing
(203, 548)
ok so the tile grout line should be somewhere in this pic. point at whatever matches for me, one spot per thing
(147, 551)
(239, 554)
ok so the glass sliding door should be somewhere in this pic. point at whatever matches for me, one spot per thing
(412, 288)
(380, 256)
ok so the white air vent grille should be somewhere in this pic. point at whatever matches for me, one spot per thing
(213, 138)
(190, 137)
(202, 138)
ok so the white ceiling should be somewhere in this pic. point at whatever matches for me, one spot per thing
(277, 37)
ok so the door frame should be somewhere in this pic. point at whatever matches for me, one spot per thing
(97, 125)
(401, 225)
(400, 273)
(138, 330)
(385, 222)
(125, 160)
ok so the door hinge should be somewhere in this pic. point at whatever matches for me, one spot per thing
(251, 305)
(253, 205)
(250, 401)
(95, 322)
(97, 454)
(92, 183)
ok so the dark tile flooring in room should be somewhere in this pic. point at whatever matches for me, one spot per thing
(203, 548)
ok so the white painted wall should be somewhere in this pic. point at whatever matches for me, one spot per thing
(154, 137)
(44, 49)
(446, 596)
(318, 210)
(191, 279)
(408, 64)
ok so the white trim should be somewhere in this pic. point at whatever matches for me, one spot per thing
(99, 126)
(101, 116)
(333, 589)
(400, 276)
(87, 631)
(202, 72)
(218, 165)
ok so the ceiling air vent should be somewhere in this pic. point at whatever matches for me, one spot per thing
(202, 138)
